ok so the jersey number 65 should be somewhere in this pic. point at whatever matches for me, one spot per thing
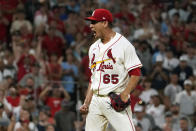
(110, 79)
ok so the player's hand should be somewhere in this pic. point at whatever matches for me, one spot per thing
(84, 109)
(124, 97)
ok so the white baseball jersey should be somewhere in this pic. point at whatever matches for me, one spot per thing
(110, 64)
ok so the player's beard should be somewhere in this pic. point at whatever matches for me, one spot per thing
(92, 35)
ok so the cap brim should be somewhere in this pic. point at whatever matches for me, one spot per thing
(91, 19)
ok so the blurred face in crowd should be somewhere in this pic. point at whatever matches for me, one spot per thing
(168, 119)
(20, 16)
(30, 103)
(43, 8)
(13, 91)
(184, 125)
(147, 84)
(43, 116)
(139, 115)
(35, 70)
(24, 30)
(69, 58)
(175, 109)
(159, 64)
(169, 54)
(27, 60)
(16, 37)
(161, 47)
(68, 51)
(30, 82)
(53, 58)
(39, 30)
(177, 4)
(183, 64)
(51, 31)
(156, 100)
(188, 87)
(24, 115)
(56, 92)
(137, 128)
(10, 59)
(176, 17)
(174, 78)
(191, 52)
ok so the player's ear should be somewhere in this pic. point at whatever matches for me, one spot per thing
(105, 24)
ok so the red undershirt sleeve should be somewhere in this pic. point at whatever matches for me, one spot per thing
(135, 72)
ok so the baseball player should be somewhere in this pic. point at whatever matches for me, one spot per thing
(115, 68)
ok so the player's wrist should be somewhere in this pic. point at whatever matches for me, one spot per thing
(125, 93)
(86, 103)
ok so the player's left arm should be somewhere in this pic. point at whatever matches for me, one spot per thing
(133, 81)
(133, 65)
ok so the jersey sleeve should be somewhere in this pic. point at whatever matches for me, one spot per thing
(131, 59)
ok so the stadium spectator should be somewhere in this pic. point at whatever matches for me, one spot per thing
(172, 89)
(13, 98)
(183, 70)
(70, 72)
(43, 121)
(54, 69)
(184, 126)
(52, 96)
(186, 99)
(148, 91)
(140, 118)
(19, 21)
(156, 109)
(65, 115)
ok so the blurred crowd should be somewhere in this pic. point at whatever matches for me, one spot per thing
(44, 62)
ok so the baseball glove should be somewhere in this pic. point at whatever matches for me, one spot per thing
(117, 103)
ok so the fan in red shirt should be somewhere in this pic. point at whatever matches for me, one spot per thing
(24, 65)
(9, 6)
(134, 97)
(52, 43)
(126, 15)
(53, 96)
(55, 17)
(13, 98)
(26, 36)
(54, 69)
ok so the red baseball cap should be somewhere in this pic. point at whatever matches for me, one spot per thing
(101, 15)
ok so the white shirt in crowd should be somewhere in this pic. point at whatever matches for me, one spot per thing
(157, 113)
(171, 91)
(170, 64)
(187, 103)
(146, 95)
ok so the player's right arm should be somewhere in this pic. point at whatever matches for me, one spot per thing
(84, 107)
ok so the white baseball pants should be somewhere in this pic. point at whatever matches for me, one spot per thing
(101, 112)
